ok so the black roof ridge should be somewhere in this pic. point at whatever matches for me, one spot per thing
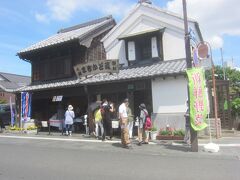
(15, 74)
(53, 81)
(89, 23)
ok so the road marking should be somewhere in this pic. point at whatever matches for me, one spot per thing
(58, 139)
(99, 141)
(221, 145)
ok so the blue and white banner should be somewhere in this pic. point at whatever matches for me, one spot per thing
(26, 106)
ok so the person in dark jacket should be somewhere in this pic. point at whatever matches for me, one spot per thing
(107, 123)
(187, 126)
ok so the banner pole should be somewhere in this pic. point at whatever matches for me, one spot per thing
(194, 138)
(21, 113)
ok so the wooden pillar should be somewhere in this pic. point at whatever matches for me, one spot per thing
(130, 97)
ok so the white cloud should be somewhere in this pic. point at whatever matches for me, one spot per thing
(216, 42)
(63, 10)
(41, 18)
(216, 17)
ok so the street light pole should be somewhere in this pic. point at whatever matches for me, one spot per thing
(194, 138)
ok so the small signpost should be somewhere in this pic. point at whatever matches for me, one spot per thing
(203, 51)
(203, 55)
(57, 98)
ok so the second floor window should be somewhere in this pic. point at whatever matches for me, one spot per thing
(144, 47)
(52, 69)
(144, 50)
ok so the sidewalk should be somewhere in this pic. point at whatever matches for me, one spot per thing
(233, 141)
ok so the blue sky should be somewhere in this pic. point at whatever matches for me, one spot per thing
(25, 22)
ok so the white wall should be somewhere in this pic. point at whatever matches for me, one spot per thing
(169, 95)
(173, 45)
(118, 52)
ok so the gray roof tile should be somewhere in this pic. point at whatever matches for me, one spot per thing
(69, 34)
(130, 73)
(11, 82)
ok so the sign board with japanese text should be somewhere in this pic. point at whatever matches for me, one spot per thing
(96, 67)
(205, 60)
(198, 98)
(57, 98)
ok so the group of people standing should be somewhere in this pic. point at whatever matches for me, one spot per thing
(106, 113)
(103, 116)
(126, 124)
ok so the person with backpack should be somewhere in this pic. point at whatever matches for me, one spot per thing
(145, 125)
(69, 116)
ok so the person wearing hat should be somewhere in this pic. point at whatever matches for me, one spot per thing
(123, 116)
(141, 131)
(69, 116)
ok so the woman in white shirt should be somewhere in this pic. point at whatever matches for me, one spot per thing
(69, 116)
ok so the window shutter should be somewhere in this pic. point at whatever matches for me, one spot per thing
(154, 47)
(131, 51)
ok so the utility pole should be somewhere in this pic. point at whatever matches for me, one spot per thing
(194, 138)
(224, 74)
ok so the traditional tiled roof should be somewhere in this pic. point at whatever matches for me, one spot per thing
(78, 32)
(10, 82)
(165, 68)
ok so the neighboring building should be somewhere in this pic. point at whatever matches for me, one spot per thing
(53, 60)
(10, 83)
(149, 45)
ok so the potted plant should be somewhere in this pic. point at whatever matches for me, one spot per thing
(178, 134)
(165, 134)
(153, 133)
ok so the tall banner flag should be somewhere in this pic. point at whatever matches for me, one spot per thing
(12, 112)
(198, 98)
(26, 106)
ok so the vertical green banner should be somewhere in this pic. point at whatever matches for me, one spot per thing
(198, 101)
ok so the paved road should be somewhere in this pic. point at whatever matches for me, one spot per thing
(32, 159)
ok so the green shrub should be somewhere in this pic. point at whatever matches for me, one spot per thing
(165, 132)
(235, 104)
(153, 128)
(179, 132)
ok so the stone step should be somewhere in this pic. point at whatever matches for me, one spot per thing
(227, 131)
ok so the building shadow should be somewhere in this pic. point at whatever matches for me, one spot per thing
(183, 148)
(118, 145)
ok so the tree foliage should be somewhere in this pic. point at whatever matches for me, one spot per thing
(236, 106)
(231, 74)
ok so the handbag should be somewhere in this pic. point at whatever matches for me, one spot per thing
(148, 122)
